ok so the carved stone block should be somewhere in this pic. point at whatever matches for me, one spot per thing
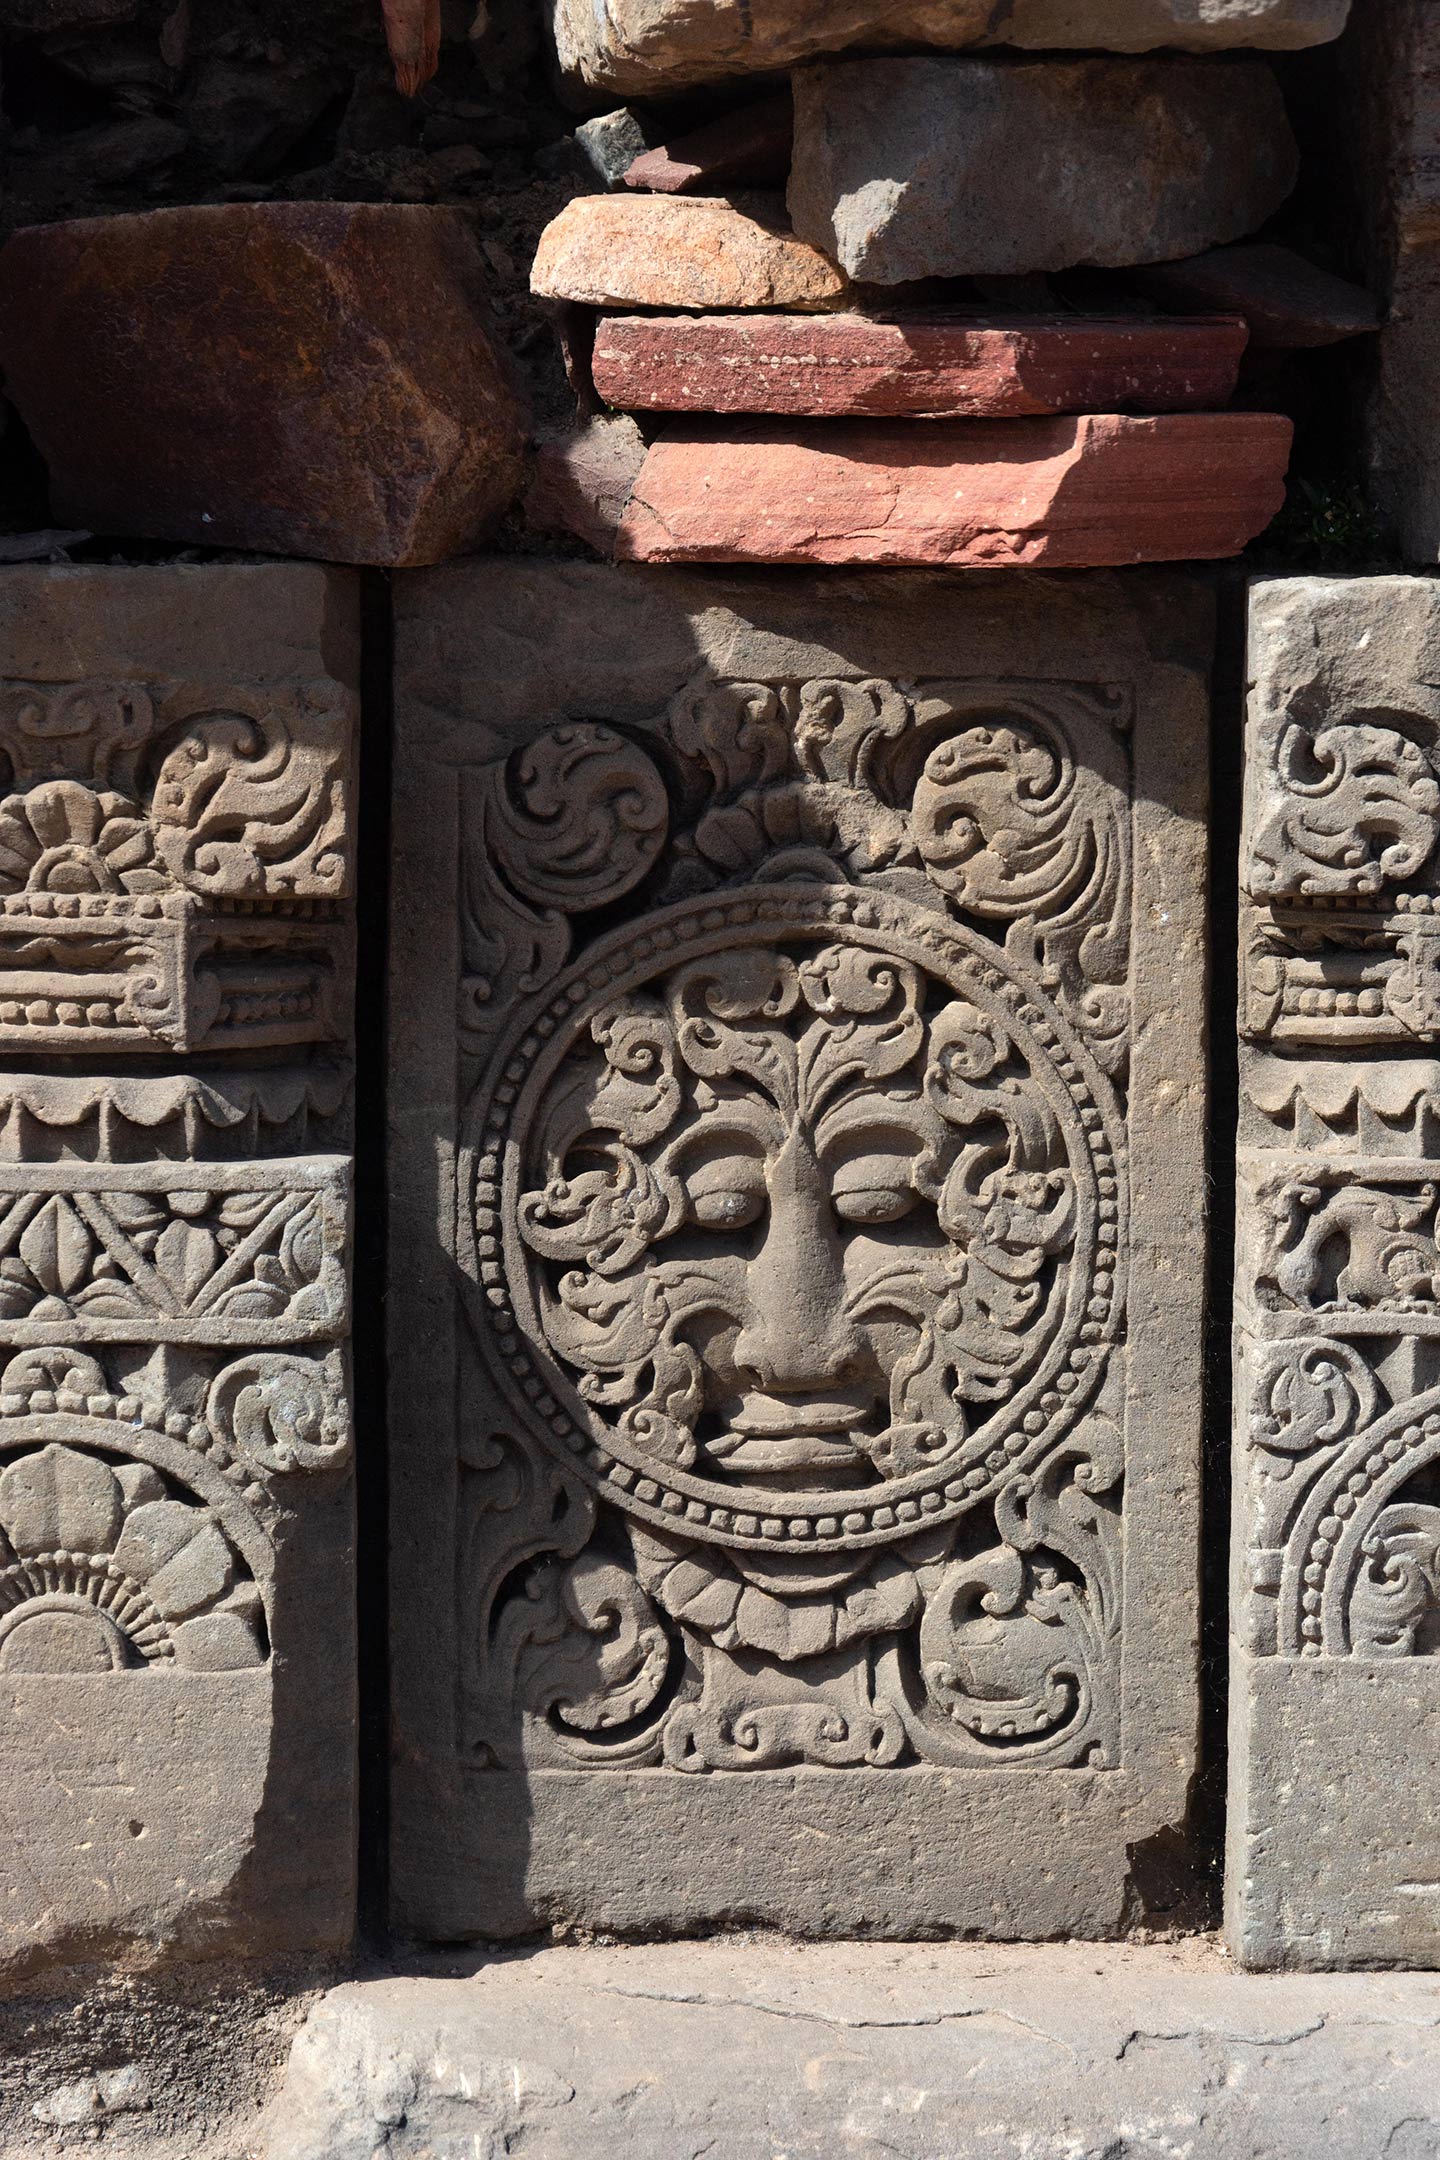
(1336, 1551)
(797, 1246)
(174, 869)
(176, 1521)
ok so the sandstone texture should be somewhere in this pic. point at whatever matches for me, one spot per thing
(666, 251)
(748, 148)
(1333, 1854)
(1288, 303)
(639, 47)
(759, 2048)
(580, 482)
(349, 405)
(177, 1664)
(1069, 493)
(933, 167)
(677, 834)
(923, 367)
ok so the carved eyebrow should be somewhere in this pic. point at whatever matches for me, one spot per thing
(878, 1125)
(719, 1134)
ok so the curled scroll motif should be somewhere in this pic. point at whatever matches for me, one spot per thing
(1014, 831)
(1395, 1605)
(588, 1659)
(1016, 1642)
(282, 1413)
(107, 1568)
(1330, 1558)
(1346, 809)
(245, 807)
(1311, 1395)
(573, 821)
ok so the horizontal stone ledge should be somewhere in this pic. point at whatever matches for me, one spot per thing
(648, 46)
(922, 367)
(1097, 491)
(680, 251)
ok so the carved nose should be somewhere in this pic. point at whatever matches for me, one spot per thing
(796, 1338)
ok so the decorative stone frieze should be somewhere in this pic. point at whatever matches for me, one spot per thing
(176, 1642)
(780, 1485)
(1336, 1597)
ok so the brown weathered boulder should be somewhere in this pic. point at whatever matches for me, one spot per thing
(926, 366)
(640, 46)
(920, 168)
(981, 494)
(297, 378)
(679, 251)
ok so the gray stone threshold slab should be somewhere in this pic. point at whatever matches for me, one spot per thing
(760, 2049)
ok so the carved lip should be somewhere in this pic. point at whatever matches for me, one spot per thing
(782, 1417)
(771, 1433)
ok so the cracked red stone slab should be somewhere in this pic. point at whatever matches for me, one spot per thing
(1099, 490)
(925, 366)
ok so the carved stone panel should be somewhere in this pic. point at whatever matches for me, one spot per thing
(1336, 1598)
(176, 1524)
(796, 1042)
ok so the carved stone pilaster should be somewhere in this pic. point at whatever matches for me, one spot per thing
(176, 1639)
(1336, 1553)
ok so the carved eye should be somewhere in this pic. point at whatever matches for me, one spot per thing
(874, 1204)
(727, 1210)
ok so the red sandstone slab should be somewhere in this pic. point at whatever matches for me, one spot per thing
(1097, 491)
(297, 378)
(925, 367)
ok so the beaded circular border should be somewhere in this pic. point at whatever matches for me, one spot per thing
(681, 1501)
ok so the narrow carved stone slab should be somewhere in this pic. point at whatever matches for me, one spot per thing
(637, 46)
(797, 1001)
(922, 367)
(353, 408)
(680, 251)
(176, 1527)
(925, 167)
(1067, 493)
(1334, 1853)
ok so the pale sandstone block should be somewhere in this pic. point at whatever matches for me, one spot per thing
(176, 1535)
(679, 251)
(920, 168)
(639, 46)
(748, 1414)
(1336, 1548)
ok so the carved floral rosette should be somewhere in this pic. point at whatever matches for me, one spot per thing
(792, 1215)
